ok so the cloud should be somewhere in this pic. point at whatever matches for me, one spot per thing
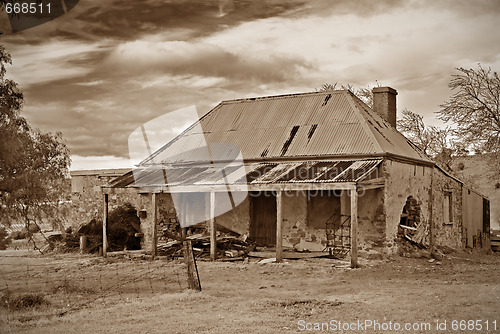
(79, 162)
(51, 61)
(203, 59)
(91, 83)
(100, 71)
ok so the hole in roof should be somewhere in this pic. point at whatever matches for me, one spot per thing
(327, 98)
(286, 145)
(311, 131)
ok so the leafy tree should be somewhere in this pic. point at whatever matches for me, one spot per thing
(4, 238)
(33, 164)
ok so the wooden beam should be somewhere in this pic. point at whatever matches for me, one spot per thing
(154, 232)
(279, 226)
(304, 186)
(354, 228)
(104, 227)
(213, 231)
(373, 183)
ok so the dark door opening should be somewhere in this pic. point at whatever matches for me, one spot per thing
(263, 217)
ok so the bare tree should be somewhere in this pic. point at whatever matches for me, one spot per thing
(439, 144)
(474, 108)
(364, 94)
(327, 87)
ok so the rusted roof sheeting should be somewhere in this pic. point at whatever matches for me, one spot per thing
(321, 124)
(263, 128)
(255, 173)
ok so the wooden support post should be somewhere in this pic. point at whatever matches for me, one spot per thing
(83, 243)
(192, 270)
(154, 232)
(104, 227)
(354, 228)
(213, 230)
(279, 227)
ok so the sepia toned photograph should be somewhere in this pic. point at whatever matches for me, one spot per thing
(238, 166)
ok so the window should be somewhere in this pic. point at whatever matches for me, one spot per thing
(448, 207)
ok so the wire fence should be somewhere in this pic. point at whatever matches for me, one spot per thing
(74, 282)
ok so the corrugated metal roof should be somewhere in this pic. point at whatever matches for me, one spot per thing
(249, 173)
(321, 124)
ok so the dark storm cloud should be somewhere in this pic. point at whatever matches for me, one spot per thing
(127, 20)
(361, 8)
(105, 68)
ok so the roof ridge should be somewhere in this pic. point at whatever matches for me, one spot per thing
(282, 96)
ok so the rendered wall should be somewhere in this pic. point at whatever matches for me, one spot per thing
(429, 186)
(401, 181)
(372, 241)
(446, 234)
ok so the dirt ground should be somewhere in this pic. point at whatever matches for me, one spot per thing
(88, 294)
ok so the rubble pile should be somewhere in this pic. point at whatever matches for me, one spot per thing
(230, 245)
(123, 228)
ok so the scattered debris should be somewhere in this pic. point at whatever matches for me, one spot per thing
(437, 254)
(230, 245)
(270, 260)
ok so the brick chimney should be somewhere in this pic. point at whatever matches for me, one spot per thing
(384, 103)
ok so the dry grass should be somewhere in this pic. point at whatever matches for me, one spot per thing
(270, 298)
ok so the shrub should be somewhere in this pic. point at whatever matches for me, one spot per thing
(4, 238)
(22, 301)
(19, 235)
(33, 228)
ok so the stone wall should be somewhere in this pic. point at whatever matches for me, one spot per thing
(403, 180)
(86, 195)
(446, 233)
(429, 189)
(372, 240)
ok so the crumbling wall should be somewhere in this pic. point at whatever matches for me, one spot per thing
(87, 199)
(297, 233)
(403, 180)
(446, 233)
(371, 223)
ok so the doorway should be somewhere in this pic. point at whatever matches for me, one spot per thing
(263, 217)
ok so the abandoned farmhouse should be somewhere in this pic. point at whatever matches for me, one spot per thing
(317, 171)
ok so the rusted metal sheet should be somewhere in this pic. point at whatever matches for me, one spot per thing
(254, 173)
(472, 215)
(280, 126)
(387, 138)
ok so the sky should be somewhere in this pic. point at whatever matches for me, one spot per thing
(104, 68)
